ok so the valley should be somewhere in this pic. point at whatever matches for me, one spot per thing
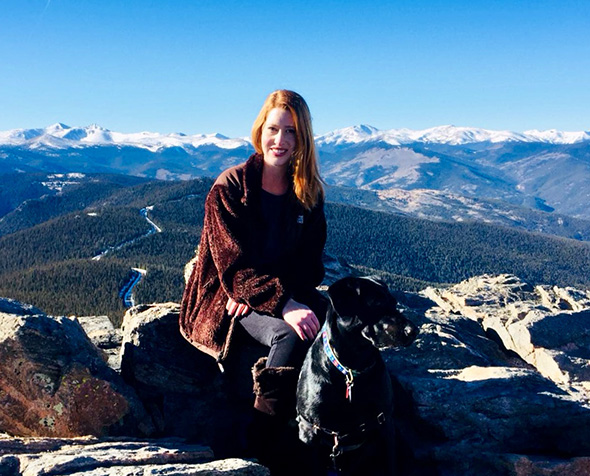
(154, 226)
(93, 220)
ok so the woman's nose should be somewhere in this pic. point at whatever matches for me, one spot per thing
(279, 137)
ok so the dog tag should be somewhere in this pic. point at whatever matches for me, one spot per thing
(349, 384)
(349, 391)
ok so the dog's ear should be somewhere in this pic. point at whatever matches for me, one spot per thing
(344, 295)
(350, 296)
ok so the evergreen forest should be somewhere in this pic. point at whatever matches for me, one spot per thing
(47, 246)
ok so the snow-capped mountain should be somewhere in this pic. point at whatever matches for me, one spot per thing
(60, 148)
(541, 170)
(60, 136)
(548, 171)
(450, 135)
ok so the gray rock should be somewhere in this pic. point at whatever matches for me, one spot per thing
(108, 457)
(470, 402)
(182, 388)
(10, 306)
(225, 467)
(497, 383)
(104, 336)
(548, 327)
(9, 466)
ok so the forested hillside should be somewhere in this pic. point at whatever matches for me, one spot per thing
(450, 252)
(29, 199)
(50, 264)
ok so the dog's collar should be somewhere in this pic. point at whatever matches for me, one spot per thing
(348, 373)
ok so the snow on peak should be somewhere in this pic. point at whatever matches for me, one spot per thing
(59, 135)
(558, 137)
(349, 135)
(447, 134)
(454, 135)
(97, 135)
(56, 128)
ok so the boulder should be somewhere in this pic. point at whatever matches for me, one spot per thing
(495, 384)
(183, 389)
(121, 457)
(471, 403)
(548, 327)
(54, 381)
(104, 336)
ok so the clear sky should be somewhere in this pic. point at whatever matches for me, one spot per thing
(200, 66)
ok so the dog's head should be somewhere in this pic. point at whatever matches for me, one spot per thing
(365, 305)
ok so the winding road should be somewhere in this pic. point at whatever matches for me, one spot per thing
(126, 292)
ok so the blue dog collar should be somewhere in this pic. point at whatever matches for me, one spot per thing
(348, 373)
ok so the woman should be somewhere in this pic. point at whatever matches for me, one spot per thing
(260, 256)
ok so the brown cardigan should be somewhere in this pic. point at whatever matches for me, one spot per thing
(227, 264)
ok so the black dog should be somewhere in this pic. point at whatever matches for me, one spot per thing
(344, 394)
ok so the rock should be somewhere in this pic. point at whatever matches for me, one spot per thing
(9, 466)
(226, 467)
(548, 327)
(497, 383)
(123, 457)
(54, 382)
(104, 336)
(336, 268)
(181, 387)
(470, 402)
(10, 306)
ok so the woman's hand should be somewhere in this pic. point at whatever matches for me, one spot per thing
(236, 309)
(302, 319)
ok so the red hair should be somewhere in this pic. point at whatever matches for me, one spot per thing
(307, 182)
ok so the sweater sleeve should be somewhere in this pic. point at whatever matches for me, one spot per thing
(225, 224)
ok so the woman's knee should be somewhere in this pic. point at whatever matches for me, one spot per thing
(288, 349)
(286, 336)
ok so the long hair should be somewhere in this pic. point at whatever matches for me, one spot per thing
(307, 182)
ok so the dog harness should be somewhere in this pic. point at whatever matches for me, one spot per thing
(344, 442)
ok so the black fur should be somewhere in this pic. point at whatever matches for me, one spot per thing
(353, 435)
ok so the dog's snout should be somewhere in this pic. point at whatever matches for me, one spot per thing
(392, 331)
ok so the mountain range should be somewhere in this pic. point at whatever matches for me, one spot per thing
(536, 180)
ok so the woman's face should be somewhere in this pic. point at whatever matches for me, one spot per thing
(278, 138)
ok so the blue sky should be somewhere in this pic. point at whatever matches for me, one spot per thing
(206, 66)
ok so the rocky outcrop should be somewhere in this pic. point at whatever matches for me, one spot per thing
(547, 327)
(474, 400)
(122, 457)
(496, 383)
(54, 381)
(182, 388)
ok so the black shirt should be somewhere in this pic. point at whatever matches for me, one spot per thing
(273, 218)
